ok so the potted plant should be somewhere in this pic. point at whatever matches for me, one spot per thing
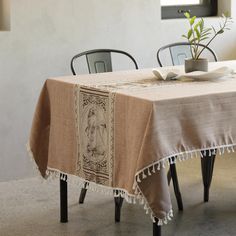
(198, 33)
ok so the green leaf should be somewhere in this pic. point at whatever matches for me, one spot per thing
(197, 25)
(187, 15)
(201, 24)
(226, 14)
(184, 36)
(198, 33)
(192, 20)
(221, 31)
(190, 32)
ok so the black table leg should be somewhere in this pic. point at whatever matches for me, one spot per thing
(207, 163)
(118, 205)
(83, 193)
(156, 229)
(175, 181)
(63, 198)
(169, 177)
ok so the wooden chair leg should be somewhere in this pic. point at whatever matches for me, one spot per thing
(156, 229)
(63, 199)
(118, 205)
(207, 164)
(175, 181)
(83, 193)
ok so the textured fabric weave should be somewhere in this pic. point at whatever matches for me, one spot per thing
(119, 129)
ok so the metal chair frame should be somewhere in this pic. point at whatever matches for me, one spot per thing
(103, 56)
(97, 51)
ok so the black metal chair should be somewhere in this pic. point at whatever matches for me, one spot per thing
(98, 61)
(178, 52)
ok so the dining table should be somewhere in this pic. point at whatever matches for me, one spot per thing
(119, 131)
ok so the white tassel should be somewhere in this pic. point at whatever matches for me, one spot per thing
(165, 220)
(149, 173)
(185, 156)
(220, 151)
(158, 166)
(191, 155)
(144, 176)
(160, 222)
(138, 179)
(142, 201)
(209, 152)
(163, 164)
(153, 218)
(153, 169)
(232, 148)
(223, 150)
(145, 206)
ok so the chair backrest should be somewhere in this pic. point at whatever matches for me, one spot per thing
(180, 51)
(99, 60)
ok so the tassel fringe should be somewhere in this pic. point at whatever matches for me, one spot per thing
(140, 175)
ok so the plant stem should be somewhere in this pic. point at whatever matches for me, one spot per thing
(217, 33)
(206, 45)
(190, 48)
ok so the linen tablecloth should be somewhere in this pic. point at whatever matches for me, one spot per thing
(117, 130)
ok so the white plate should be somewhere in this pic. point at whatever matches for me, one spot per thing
(211, 75)
(175, 74)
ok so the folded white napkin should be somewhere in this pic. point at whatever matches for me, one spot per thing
(175, 74)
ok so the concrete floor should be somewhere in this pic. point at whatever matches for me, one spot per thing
(30, 207)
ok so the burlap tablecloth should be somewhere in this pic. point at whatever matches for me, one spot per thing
(117, 130)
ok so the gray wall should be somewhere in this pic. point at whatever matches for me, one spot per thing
(46, 34)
